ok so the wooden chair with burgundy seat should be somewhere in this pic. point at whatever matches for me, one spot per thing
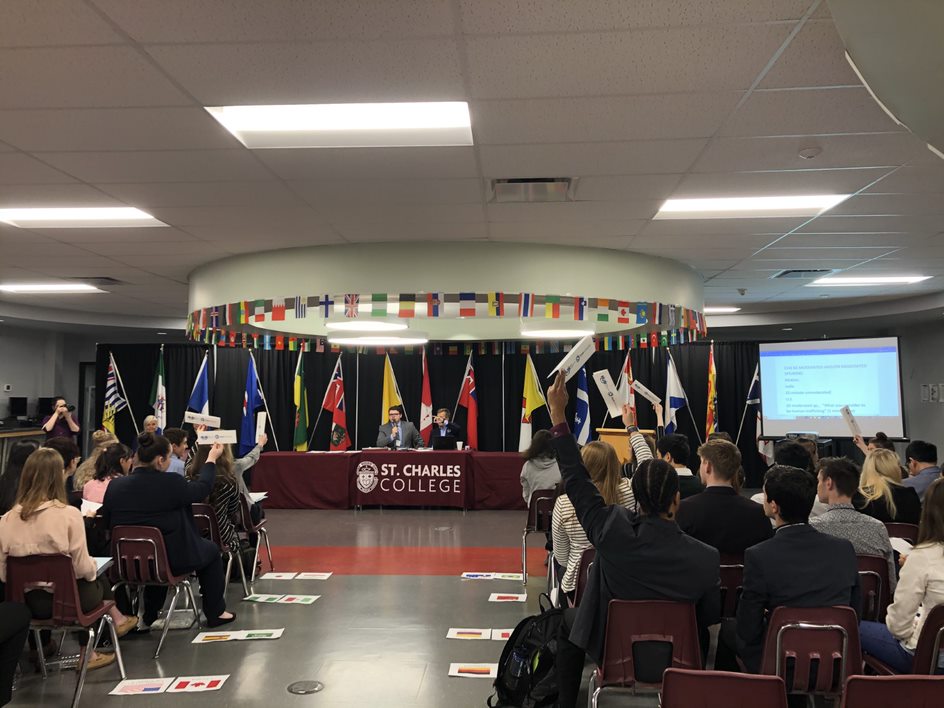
(687, 688)
(884, 691)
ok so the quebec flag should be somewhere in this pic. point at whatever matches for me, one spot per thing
(582, 415)
(674, 397)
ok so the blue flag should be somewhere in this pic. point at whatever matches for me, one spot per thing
(252, 401)
(200, 395)
(674, 397)
(582, 415)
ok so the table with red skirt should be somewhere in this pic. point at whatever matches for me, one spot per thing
(461, 479)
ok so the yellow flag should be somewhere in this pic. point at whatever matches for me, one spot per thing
(391, 392)
(531, 399)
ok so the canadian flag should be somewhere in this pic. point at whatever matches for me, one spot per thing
(197, 683)
(426, 405)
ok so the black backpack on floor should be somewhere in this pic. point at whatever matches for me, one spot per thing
(526, 676)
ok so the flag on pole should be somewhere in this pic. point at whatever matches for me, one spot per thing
(334, 403)
(200, 393)
(469, 398)
(113, 400)
(252, 401)
(674, 396)
(300, 438)
(764, 447)
(426, 405)
(711, 417)
(532, 398)
(391, 392)
(582, 415)
(159, 395)
(624, 386)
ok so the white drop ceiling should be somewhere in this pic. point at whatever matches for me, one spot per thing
(101, 105)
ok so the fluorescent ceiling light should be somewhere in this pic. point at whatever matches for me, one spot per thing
(378, 341)
(41, 288)
(556, 333)
(721, 310)
(851, 281)
(746, 207)
(78, 217)
(337, 125)
(358, 325)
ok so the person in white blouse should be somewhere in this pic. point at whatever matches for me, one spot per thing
(920, 588)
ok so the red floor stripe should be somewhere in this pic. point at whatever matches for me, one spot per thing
(402, 560)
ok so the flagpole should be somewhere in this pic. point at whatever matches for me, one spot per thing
(127, 400)
(503, 396)
(462, 385)
(747, 402)
(357, 396)
(265, 404)
(324, 400)
(741, 425)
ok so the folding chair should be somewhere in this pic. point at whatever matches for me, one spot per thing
(909, 532)
(732, 582)
(687, 688)
(583, 573)
(54, 573)
(884, 691)
(141, 559)
(643, 639)
(873, 578)
(245, 524)
(540, 510)
(204, 515)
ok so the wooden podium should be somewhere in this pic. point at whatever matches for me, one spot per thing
(619, 438)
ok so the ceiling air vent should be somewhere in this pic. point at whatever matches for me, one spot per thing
(96, 280)
(527, 190)
(803, 273)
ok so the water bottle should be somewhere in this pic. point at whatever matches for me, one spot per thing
(517, 668)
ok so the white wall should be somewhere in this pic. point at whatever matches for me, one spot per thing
(922, 361)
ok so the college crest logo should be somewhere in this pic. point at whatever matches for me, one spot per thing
(367, 474)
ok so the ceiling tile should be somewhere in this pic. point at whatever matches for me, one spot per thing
(372, 163)
(85, 236)
(390, 191)
(390, 213)
(17, 168)
(719, 228)
(59, 22)
(265, 193)
(913, 178)
(910, 204)
(36, 195)
(782, 182)
(615, 188)
(573, 212)
(159, 166)
(576, 233)
(815, 57)
(365, 232)
(928, 224)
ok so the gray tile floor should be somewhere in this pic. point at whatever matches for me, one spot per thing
(373, 640)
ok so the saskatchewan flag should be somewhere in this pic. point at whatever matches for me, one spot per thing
(391, 392)
(300, 439)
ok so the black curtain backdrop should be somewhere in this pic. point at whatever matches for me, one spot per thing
(499, 398)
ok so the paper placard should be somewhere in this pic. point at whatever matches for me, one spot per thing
(89, 506)
(474, 670)
(298, 599)
(211, 421)
(851, 421)
(609, 392)
(507, 597)
(502, 635)
(209, 437)
(646, 393)
(258, 496)
(237, 635)
(478, 576)
(195, 684)
(507, 576)
(901, 545)
(463, 633)
(313, 576)
(141, 687)
(575, 358)
(263, 598)
(277, 576)
(260, 426)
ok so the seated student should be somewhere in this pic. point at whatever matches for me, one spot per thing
(10, 481)
(540, 470)
(885, 497)
(570, 541)
(720, 516)
(638, 558)
(675, 450)
(179, 450)
(920, 588)
(149, 497)
(43, 522)
(444, 427)
(86, 470)
(70, 454)
(798, 567)
(879, 442)
(836, 483)
(922, 466)
(791, 453)
(114, 462)
(225, 494)
(641, 447)
(398, 434)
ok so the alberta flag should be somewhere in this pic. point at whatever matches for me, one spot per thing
(159, 395)
(200, 395)
(252, 401)
(674, 396)
(582, 415)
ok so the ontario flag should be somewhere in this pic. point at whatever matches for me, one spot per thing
(426, 405)
(334, 403)
(469, 398)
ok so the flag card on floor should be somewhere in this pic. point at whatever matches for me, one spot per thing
(507, 576)
(137, 687)
(237, 635)
(298, 599)
(313, 576)
(477, 576)
(263, 598)
(474, 670)
(194, 684)
(278, 576)
(507, 597)
(261, 633)
(461, 633)
(502, 635)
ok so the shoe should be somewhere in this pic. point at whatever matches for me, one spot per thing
(219, 621)
(126, 626)
(98, 661)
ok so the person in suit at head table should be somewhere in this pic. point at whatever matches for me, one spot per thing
(398, 434)
(444, 427)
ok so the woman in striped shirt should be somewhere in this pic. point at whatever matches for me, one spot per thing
(604, 468)
(225, 495)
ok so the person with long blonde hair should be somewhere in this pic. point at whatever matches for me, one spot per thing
(43, 522)
(569, 539)
(886, 498)
(86, 471)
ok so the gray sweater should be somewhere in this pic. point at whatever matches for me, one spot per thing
(539, 473)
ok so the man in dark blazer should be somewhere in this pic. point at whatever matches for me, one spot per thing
(719, 516)
(150, 496)
(398, 434)
(675, 450)
(638, 558)
(444, 427)
(798, 567)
